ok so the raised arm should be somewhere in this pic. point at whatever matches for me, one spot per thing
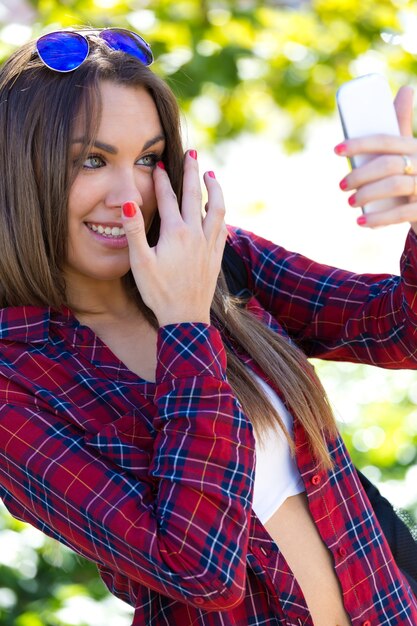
(338, 315)
(335, 314)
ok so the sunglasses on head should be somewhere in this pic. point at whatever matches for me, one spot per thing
(66, 50)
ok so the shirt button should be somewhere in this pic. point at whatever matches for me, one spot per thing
(367, 622)
(316, 480)
(343, 552)
(201, 601)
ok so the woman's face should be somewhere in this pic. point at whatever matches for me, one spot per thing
(119, 169)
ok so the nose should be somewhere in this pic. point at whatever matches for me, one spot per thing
(123, 187)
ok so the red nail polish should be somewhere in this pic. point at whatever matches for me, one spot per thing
(343, 185)
(161, 165)
(352, 200)
(341, 149)
(211, 174)
(129, 209)
(361, 221)
(193, 154)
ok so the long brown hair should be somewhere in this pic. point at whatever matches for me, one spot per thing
(38, 109)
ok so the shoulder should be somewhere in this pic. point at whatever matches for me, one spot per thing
(27, 357)
(259, 254)
(239, 238)
(24, 324)
(250, 244)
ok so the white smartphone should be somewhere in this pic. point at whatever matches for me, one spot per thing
(366, 107)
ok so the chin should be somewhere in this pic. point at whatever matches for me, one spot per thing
(111, 273)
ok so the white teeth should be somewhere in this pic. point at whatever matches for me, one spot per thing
(107, 231)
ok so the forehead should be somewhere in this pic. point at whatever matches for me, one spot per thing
(123, 108)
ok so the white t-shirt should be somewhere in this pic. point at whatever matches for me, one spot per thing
(276, 472)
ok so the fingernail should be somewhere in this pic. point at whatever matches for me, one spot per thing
(211, 174)
(352, 200)
(161, 165)
(193, 154)
(341, 149)
(129, 209)
(361, 221)
(343, 184)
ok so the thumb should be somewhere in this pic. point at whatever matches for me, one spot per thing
(134, 227)
(403, 104)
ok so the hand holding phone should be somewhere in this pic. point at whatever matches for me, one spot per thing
(366, 108)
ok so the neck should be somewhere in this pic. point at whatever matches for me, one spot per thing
(99, 299)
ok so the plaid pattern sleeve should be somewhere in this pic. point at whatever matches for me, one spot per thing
(166, 505)
(332, 313)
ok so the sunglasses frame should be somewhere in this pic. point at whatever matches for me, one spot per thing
(141, 43)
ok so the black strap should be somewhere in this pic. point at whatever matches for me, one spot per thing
(401, 541)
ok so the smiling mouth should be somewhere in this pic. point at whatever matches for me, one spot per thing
(112, 232)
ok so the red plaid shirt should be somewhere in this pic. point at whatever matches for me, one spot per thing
(153, 481)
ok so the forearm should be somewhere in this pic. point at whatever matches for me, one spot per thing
(172, 516)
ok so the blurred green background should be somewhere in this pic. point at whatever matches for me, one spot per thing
(237, 68)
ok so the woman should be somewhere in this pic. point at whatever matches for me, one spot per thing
(122, 433)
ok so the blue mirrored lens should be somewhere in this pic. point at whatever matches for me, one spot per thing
(62, 51)
(128, 42)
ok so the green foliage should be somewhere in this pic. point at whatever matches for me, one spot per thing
(232, 62)
(376, 411)
(45, 584)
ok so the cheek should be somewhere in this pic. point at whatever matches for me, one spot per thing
(83, 196)
(78, 196)
(150, 205)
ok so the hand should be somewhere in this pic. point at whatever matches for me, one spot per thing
(178, 276)
(384, 176)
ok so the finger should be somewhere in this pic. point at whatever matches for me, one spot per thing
(168, 208)
(404, 108)
(134, 227)
(376, 169)
(191, 195)
(377, 144)
(213, 222)
(398, 215)
(393, 187)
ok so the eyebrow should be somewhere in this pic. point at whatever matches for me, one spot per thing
(113, 150)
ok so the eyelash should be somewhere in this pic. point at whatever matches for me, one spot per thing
(154, 159)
